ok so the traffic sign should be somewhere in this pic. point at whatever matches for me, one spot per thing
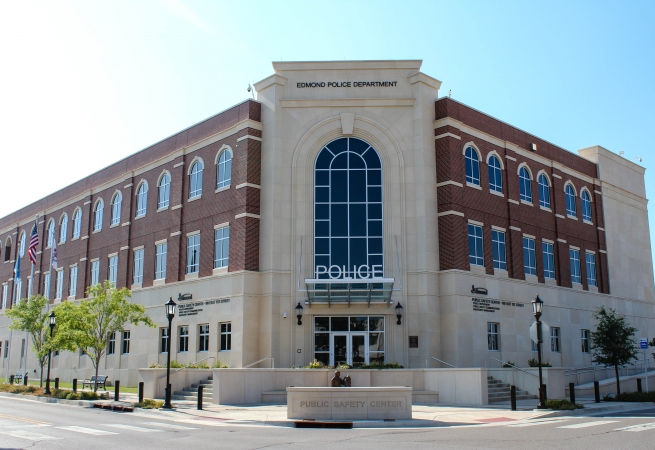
(643, 343)
(545, 331)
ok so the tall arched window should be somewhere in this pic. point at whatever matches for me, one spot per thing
(8, 249)
(586, 205)
(472, 166)
(495, 175)
(544, 191)
(63, 228)
(77, 223)
(51, 232)
(21, 244)
(97, 215)
(525, 185)
(348, 211)
(116, 202)
(224, 169)
(141, 199)
(163, 191)
(195, 180)
(570, 200)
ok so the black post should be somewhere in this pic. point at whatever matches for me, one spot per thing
(638, 384)
(74, 384)
(11, 379)
(512, 396)
(56, 383)
(597, 391)
(141, 391)
(542, 396)
(200, 388)
(543, 389)
(117, 388)
(25, 380)
(47, 379)
(572, 392)
(167, 402)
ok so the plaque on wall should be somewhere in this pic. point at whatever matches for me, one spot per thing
(413, 342)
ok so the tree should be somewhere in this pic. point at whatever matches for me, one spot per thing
(89, 324)
(613, 342)
(32, 317)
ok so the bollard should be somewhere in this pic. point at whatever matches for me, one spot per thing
(597, 391)
(74, 384)
(117, 388)
(512, 397)
(25, 380)
(56, 383)
(543, 389)
(572, 392)
(141, 391)
(639, 385)
(11, 379)
(200, 388)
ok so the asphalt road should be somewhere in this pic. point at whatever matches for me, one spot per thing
(34, 425)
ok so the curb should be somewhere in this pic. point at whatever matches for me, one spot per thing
(601, 410)
(38, 398)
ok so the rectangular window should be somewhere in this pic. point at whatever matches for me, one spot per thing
(111, 345)
(72, 289)
(574, 256)
(165, 340)
(5, 295)
(584, 340)
(46, 285)
(534, 345)
(549, 260)
(498, 244)
(529, 260)
(226, 336)
(138, 266)
(193, 254)
(476, 253)
(161, 251)
(492, 336)
(22, 348)
(19, 288)
(6, 348)
(95, 272)
(591, 269)
(60, 284)
(184, 339)
(0, 349)
(113, 269)
(203, 341)
(221, 247)
(554, 340)
(126, 342)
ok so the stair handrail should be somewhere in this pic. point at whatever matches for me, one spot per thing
(582, 370)
(437, 359)
(513, 366)
(186, 367)
(263, 359)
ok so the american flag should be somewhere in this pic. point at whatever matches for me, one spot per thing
(34, 241)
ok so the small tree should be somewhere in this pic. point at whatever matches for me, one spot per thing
(89, 324)
(613, 342)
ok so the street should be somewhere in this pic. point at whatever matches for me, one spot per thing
(29, 424)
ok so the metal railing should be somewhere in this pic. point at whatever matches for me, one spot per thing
(627, 370)
(263, 359)
(505, 363)
(182, 368)
(437, 359)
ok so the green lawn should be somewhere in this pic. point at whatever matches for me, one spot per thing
(64, 385)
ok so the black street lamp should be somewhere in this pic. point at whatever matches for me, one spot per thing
(53, 322)
(170, 313)
(299, 309)
(399, 312)
(537, 305)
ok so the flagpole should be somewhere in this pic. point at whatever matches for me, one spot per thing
(29, 295)
(52, 253)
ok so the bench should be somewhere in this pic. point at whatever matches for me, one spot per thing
(102, 380)
(18, 378)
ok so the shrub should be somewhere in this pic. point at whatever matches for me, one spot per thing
(635, 397)
(534, 363)
(562, 405)
(509, 365)
(344, 366)
(314, 365)
(155, 366)
(148, 403)
(219, 365)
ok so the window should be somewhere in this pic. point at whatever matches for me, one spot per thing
(95, 272)
(591, 268)
(97, 218)
(203, 338)
(51, 232)
(6, 348)
(193, 254)
(111, 345)
(226, 336)
(8, 249)
(21, 244)
(570, 200)
(63, 228)
(534, 345)
(161, 251)
(72, 289)
(584, 340)
(495, 175)
(224, 170)
(126, 343)
(164, 191)
(498, 244)
(195, 180)
(60, 284)
(554, 339)
(77, 223)
(5, 294)
(544, 191)
(19, 288)
(165, 340)
(221, 247)
(348, 209)
(476, 255)
(492, 336)
(141, 200)
(574, 256)
(529, 260)
(116, 208)
(138, 266)
(0, 348)
(113, 269)
(549, 260)
(472, 166)
(46, 285)
(586, 206)
(184, 339)
(525, 185)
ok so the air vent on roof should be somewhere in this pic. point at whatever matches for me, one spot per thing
(533, 147)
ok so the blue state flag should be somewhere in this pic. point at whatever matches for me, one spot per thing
(17, 267)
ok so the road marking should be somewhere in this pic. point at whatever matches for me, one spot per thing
(132, 427)
(85, 430)
(641, 427)
(536, 422)
(22, 419)
(28, 435)
(168, 425)
(589, 424)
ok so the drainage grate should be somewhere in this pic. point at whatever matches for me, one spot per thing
(315, 424)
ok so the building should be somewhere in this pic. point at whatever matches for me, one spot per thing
(349, 189)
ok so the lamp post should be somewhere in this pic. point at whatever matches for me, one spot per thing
(537, 305)
(170, 313)
(299, 309)
(53, 322)
(399, 313)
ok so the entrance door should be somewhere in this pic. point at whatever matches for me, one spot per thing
(340, 349)
(358, 349)
(349, 348)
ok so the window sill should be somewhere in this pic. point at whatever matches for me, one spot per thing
(225, 351)
(531, 278)
(114, 225)
(525, 202)
(550, 281)
(70, 298)
(577, 286)
(136, 286)
(545, 208)
(219, 270)
(593, 289)
(61, 242)
(191, 276)
(75, 238)
(587, 222)
(193, 199)
(139, 217)
(501, 273)
(499, 194)
(478, 269)
(96, 231)
(474, 186)
(571, 217)
(165, 208)
(221, 189)
(159, 282)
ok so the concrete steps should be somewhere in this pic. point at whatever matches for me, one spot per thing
(191, 392)
(500, 392)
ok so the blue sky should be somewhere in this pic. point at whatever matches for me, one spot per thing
(85, 83)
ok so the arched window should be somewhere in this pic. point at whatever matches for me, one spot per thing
(195, 180)
(8, 249)
(63, 228)
(51, 232)
(570, 200)
(224, 169)
(586, 205)
(525, 185)
(472, 166)
(163, 191)
(544, 191)
(97, 215)
(21, 244)
(116, 202)
(77, 223)
(495, 175)
(141, 199)
(348, 211)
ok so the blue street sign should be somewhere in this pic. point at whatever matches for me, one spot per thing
(643, 343)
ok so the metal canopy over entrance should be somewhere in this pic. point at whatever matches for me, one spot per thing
(372, 290)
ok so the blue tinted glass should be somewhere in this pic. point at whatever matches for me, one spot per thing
(374, 177)
(375, 228)
(357, 185)
(322, 178)
(375, 194)
(375, 245)
(375, 211)
(339, 220)
(372, 159)
(358, 220)
(322, 228)
(322, 211)
(338, 146)
(324, 159)
(340, 252)
(339, 185)
(322, 261)
(340, 162)
(375, 260)
(358, 253)
(321, 246)
(322, 194)
(356, 161)
(358, 146)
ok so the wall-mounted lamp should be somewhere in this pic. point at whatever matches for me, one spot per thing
(299, 309)
(399, 313)
(285, 314)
